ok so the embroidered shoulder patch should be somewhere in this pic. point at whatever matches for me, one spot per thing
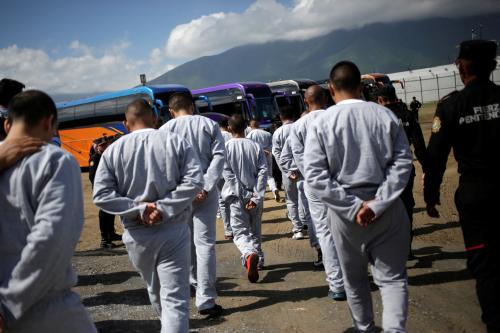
(436, 125)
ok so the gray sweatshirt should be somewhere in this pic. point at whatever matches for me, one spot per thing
(357, 151)
(206, 139)
(147, 166)
(263, 138)
(245, 171)
(279, 138)
(42, 217)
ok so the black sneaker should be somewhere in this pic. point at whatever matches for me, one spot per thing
(106, 244)
(319, 263)
(214, 311)
(115, 237)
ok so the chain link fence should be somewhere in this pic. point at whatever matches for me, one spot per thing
(433, 87)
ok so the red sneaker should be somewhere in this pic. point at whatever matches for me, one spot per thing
(251, 264)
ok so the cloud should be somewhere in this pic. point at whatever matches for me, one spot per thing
(269, 20)
(85, 70)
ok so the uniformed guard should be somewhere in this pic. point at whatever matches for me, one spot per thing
(388, 98)
(415, 106)
(106, 220)
(469, 121)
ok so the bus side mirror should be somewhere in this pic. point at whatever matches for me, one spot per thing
(158, 106)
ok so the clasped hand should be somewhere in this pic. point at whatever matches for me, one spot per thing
(151, 214)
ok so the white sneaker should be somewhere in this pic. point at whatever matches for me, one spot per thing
(298, 235)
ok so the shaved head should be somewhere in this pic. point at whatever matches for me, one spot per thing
(345, 76)
(140, 113)
(315, 95)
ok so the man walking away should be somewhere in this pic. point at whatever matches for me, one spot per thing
(387, 97)
(206, 139)
(245, 173)
(315, 100)
(149, 178)
(289, 179)
(357, 161)
(224, 206)
(42, 219)
(469, 121)
(265, 140)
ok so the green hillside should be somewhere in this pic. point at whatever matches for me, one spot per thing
(375, 48)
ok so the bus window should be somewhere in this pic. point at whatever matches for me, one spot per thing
(85, 110)
(106, 108)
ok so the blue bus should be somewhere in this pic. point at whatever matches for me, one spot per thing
(84, 120)
(253, 100)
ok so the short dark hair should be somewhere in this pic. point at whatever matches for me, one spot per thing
(31, 107)
(388, 93)
(345, 76)
(224, 123)
(8, 89)
(237, 123)
(179, 101)
(286, 112)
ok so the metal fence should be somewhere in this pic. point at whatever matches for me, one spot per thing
(433, 87)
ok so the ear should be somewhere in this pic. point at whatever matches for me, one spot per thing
(7, 126)
(48, 124)
(172, 113)
(126, 125)
(331, 89)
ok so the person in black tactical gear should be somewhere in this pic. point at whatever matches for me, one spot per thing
(8, 89)
(106, 221)
(469, 122)
(415, 106)
(387, 97)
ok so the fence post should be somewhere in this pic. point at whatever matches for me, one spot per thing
(421, 89)
(406, 97)
(455, 79)
(437, 83)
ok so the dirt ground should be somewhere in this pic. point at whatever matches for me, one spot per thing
(290, 295)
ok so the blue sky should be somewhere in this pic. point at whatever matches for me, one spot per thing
(93, 46)
(52, 25)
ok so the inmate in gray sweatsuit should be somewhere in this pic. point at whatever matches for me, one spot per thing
(291, 192)
(317, 209)
(357, 151)
(206, 139)
(265, 140)
(42, 217)
(288, 166)
(160, 167)
(245, 173)
(224, 206)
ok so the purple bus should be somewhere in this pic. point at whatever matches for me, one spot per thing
(253, 100)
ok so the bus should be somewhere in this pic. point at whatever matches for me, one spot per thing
(372, 82)
(253, 100)
(82, 121)
(291, 92)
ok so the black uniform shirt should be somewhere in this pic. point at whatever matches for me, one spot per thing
(468, 121)
(412, 129)
(94, 160)
(415, 105)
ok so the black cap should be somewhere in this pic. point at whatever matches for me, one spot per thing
(387, 92)
(478, 50)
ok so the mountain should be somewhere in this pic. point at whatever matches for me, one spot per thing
(380, 47)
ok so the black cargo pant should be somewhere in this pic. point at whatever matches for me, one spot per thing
(408, 200)
(478, 203)
(106, 225)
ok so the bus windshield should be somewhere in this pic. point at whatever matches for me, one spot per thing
(265, 108)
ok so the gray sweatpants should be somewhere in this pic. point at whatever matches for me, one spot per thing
(292, 203)
(224, 212)
(305, 214)
(203, 261)
(319, 215)
(161, 254)
(385, 245)
(59, 313)
(247, 228)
